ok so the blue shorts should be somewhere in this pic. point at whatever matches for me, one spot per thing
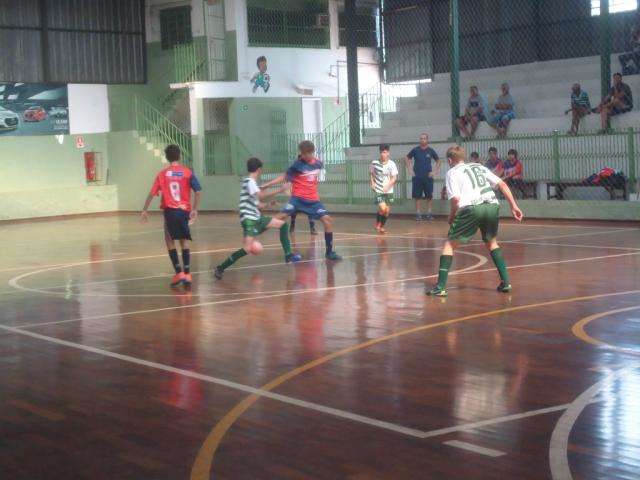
(312, 208)
(176, 224)
(422, 187)
(502, 116)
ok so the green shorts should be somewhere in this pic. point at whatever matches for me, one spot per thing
(384, 198)
(253, 228)
(469, 219)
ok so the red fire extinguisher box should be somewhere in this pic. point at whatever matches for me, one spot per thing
(90, 166)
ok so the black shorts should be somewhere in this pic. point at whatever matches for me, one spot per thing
(422, 187)
(176, 224)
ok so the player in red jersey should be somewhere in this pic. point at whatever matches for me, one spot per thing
(304, 175)
(174, 185)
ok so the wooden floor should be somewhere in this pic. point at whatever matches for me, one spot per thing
(318, 371)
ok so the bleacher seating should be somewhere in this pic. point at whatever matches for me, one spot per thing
(541, 91)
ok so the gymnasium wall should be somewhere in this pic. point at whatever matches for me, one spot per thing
(43, 177)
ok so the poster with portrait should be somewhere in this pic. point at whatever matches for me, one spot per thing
(34, 109)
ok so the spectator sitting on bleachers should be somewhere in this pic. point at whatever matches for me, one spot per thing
(474, 113)
(494, 163)
(619, 100)
(475, 158)
(580, 107)
(630, 61)
(513, 171)
(503, 111)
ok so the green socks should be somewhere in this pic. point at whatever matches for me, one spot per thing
(233, 258)
(284, 239)
(498, 259)
(443, 272)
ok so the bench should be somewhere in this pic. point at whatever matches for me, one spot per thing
(560, 187)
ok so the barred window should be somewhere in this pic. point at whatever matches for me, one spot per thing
(288, 23)
(365, 26)
(175, 26)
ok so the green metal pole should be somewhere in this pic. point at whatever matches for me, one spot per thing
(605, 48)
(631, 150)
(556, 156)
(349, 182)
(352, 72)
(454, 22)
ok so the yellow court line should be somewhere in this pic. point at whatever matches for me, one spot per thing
(579, 329)
(204, 460)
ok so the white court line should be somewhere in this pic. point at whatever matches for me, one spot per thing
(584, 234)
(466, 427)
(144, 257)
(244, 267)
(274, 246)
(464, 271)
(559, 445)
(412, 432)
(47, 291)
(481, 261)
(600, 247)
(489, 452)
(220, 381)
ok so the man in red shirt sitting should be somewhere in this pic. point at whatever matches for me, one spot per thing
(304, 175)
(174, 184)
(512, 174)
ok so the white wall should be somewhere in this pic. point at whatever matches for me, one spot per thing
(290, 68)
(88, 108)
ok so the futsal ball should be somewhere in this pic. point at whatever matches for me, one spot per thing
(256, 248)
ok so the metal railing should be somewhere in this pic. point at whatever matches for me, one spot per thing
(159, 130)
(190, 62)
(555, 159)
(225, 154)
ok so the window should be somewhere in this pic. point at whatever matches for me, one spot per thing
(175, 26)
(288, 23)
(615, 6)
(365, 25)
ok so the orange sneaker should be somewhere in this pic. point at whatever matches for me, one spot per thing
(187, 280)
(178, 279)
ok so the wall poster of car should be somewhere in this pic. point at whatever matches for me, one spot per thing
(34, 109)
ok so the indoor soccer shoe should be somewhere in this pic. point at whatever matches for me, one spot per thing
(293, 258)
(188, 280)
(178, 279)
(218, 273)
(333, 256)
(504, 287)
(436, 292)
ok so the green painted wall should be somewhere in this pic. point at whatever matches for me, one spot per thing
(34, 163)
(44, 177)
(250, 120)
(161, 73)
(133, 169)
(331, 111)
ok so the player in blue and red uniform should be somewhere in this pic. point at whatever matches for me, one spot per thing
(174, 184)
(304, 176)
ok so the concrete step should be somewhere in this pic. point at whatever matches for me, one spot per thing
(519, 126)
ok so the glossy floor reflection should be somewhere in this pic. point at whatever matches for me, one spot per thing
(318, 371)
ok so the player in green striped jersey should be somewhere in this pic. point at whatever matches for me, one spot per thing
(254, 223)
(474, 207)
(384, 174)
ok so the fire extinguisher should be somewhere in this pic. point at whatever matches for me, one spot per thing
(90, 166)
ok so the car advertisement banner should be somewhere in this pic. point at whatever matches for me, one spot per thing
(34, 109)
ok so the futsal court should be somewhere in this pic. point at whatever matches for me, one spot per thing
(318, 370)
